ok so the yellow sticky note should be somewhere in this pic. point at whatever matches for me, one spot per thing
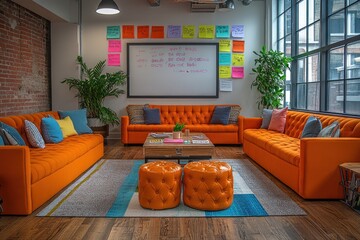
(188, 31)
(224, 72)
(238, 59)
(206, 31)
(224, 45)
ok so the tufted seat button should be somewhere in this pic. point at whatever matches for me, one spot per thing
(159, 185)
(205, 175)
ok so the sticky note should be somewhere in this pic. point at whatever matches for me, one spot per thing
(224, 45)
(143, 31)
(188, 31)
(222, 31)
(113, 32)
(238, 59)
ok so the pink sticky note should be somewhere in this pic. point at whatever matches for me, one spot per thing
(114, 45)
(237, 72)
(113, 59)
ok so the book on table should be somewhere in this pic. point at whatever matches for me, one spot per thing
(173, 140)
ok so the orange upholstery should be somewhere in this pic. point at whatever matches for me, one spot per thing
(159, 185)
(310, 166)
(196, 118)
(31, 176)
(208, 185)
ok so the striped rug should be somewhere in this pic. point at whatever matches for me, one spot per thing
(109, 189)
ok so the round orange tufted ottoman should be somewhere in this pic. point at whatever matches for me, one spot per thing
(159, 185)
(208, 185)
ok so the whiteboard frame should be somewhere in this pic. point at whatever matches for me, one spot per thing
(213, 80)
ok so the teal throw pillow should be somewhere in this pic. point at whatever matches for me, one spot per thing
(33, 135)
(12, 136)
(79, 119)
(2, 143)
(221, 115)
(152, 116)
(51, 130)
(333, 130)
(312, 127)
(266, 118)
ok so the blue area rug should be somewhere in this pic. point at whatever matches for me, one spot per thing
(109, 189)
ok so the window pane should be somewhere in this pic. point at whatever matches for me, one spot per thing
(288, 46)
(287, 22)
(302, 41)
(336, 96)
(314, 10)
(350, 1)
(353, 97)
(281, 26)
(313, 64)
(287, 95)
(313, 96)
(353, 60)
(301, 96)
(335, 5)
(301, 78)
(281, 45)
(336, 26)
(301, 11)
(280, 6)
(336, 63)
(287, 4)
(314, 36)
(353, 20)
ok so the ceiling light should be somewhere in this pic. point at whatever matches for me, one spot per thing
(107, 7)
(227, 5)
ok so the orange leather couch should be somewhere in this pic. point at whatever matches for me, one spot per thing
(31, 176)
(310, 166)
(196, 118)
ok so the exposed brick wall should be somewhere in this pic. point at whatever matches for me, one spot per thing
(24, 60)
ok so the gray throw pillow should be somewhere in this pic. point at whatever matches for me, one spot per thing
(312, 127)
(221, 115)
(333, 130)
(266, 118)
(152, 115)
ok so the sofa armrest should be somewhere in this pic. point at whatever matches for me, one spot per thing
(320, 158)
(125, 121)
(15, 179)
(247, 123)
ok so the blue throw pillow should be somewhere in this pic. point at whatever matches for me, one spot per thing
(51, 130)
(33, 135)
(2, 143)
(12, 135)
(266, 118)
(333, 130)
(312, 127)
(152, 115)
(221, 115)
(78, 117)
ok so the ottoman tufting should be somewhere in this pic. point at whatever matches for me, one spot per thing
(159, 185)
(208, 185)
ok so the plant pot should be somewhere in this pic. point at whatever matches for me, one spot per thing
(177, 135)
(95, 122)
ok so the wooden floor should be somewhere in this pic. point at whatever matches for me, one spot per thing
(324, 219)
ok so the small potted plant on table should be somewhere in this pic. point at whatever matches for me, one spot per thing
(177, 130)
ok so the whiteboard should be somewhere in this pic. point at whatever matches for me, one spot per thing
(172, 70)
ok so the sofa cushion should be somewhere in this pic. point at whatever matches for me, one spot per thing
(279, 144)
(220, 115)
(136, 113)
(67, 127)
(266, 118)
(46, 161)
(234, 114)
(278, 120)
(312, 127)
(34, 136)
(333, 130)
(2, 143)
(51, 130)
(79, 119)
(151, 115)
(12, 135)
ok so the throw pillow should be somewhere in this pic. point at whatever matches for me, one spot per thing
(3, 137)
(12, 135)
(51, 130)
(2, 143)
(312, 127)
(67, 127)
(333, 130)
(151, 115)
(266, 118)
(136, 113)
(220, 115)
(234, 114)
(278, 120)
(78, 117)
(33, 135)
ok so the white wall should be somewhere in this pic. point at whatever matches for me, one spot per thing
(138, 12)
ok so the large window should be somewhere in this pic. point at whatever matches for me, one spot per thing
(323, 38)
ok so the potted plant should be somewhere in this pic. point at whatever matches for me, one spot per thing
(270, 80)
(177, 130)
(93, 88)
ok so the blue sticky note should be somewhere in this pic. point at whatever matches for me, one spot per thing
(174, 31)
(222, 31)
(113, 32)
(225, 58)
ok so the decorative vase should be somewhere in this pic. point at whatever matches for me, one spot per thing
(176, 135)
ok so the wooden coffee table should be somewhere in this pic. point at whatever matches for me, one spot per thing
(178, 151)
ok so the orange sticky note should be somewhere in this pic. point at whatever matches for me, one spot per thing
(157, 32)
(238, 46)
(143, 31)
(128, 31)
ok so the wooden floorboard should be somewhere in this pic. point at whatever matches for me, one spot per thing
(324, 219)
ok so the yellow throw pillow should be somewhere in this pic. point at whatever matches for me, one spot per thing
(67, 127)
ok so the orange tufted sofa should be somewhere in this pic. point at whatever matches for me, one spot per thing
(196, 118)
(31, 176)
(310, 166)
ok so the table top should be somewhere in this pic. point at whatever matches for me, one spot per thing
(353, 166)
(193, 140)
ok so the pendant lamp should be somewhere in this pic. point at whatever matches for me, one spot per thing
(107, 7)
